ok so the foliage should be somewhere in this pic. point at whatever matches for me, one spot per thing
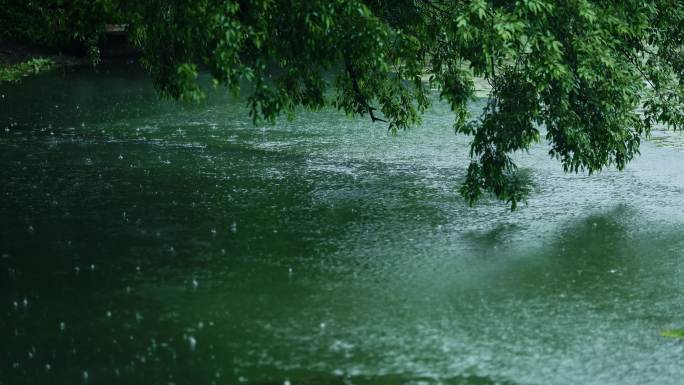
(676, 333)
(58, 24)
(593, 75)
(14, 73)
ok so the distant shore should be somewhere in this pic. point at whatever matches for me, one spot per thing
(18, 61)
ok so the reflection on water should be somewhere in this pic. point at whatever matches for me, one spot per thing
(669, 139)
(151, 242)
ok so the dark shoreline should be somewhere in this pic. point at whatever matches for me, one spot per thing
(18, 60)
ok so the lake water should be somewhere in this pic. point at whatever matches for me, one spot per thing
(152, 242)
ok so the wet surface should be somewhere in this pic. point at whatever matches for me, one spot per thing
(153, 242)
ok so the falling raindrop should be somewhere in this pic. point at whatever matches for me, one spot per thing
(193, 342)
(233, 227)
(62, 326)
(120, 157)
(109, 314)
(85, 376)
(213, 232)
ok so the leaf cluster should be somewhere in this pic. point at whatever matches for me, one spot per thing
(590, 77)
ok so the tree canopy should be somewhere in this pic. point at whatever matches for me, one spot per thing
(594, 75)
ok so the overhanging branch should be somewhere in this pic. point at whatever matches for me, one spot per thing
(360, 98)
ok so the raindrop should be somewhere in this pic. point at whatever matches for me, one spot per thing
(322, 325)
(92, 267)
(612, 271)
(30, 229)
(62, 326)
(109, 314)
(85, 376)
(195, 284)
(120, 157)
(286, 382)
(138, 316)
(48, 367)
(213, 232)
(77, 269)
(16, 305)
(233, 227)
(193, 342)
(289, 270)
(242, 379)
(25, 302)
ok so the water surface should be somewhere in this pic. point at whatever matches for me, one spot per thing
(153, 242)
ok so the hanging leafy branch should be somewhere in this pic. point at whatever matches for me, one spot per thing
(595, 76)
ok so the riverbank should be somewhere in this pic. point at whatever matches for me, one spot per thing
(18, 61)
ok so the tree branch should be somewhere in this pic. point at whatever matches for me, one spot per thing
(359, 95)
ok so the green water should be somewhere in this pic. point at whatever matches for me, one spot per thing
(150, 242)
